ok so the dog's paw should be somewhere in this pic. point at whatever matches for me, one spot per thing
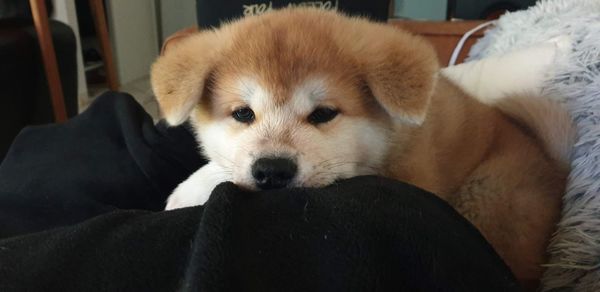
(188, 194)
(197, 188)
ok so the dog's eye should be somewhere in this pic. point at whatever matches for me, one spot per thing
(322, 115)
(243, 115)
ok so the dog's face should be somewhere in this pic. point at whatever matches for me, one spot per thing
(297, 97)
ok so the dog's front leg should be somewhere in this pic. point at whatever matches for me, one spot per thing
(196, 189)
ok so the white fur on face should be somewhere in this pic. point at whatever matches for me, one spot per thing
(351, 146)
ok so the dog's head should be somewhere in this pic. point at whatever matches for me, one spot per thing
(297, 97)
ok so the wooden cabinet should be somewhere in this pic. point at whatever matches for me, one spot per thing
(444, 35)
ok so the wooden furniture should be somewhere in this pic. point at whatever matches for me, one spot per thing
(444, 35)
(99, 14)
(42, 27)
(40, 17)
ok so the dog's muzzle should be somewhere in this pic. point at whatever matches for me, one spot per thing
(273, 172)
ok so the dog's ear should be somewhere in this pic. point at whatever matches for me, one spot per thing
(175, 38)
(400, 70)
(179, 76)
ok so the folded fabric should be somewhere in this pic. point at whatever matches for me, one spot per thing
(68, 194)
(109, 157)
(367, 233)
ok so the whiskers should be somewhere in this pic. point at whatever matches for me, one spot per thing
(336, 163)
(329, 170)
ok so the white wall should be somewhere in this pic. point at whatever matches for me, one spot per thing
(133, 31)
(64, 11)
(176, 15)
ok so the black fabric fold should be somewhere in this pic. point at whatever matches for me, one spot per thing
(109, 157)
(80, 211)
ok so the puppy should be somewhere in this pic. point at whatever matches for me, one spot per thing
(302, 97)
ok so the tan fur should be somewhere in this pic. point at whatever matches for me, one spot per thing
(283, 54)
(470, 154)
(491, 171)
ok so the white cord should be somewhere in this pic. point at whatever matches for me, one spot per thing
(464, 38)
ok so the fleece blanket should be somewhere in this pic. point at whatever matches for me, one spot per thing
(80, 210)
(575, 78)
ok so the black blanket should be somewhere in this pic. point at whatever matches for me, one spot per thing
(80, 210)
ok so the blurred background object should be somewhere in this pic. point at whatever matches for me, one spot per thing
(485, 9)
(456, 9)
(24, 91)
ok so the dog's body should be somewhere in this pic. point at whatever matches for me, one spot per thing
(303, 97)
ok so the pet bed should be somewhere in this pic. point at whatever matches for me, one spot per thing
(572, 76)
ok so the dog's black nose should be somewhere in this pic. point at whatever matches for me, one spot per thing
(273, 173)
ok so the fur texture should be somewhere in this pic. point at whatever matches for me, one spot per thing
(396, 118)
(283, 72)
(575, 82)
